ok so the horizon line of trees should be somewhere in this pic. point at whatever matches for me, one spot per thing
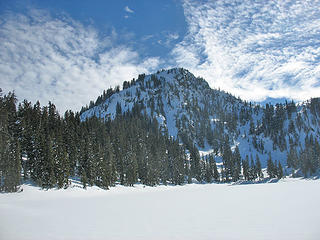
(130, 149)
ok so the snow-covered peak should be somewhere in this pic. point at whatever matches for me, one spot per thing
(189, 110)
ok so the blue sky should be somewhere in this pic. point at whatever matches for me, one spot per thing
(145, 25)
(70, 51)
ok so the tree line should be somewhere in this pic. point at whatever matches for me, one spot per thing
(38, 144)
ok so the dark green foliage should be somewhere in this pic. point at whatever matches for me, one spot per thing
(274, 169)
(135, 150)
(258, 169)
(228, 162)
(308, 160)
(129, 149)
(195, 163)
(210, 169)
(252, 170)
(279, 171)
(292, 158)
(216, 175)
(246, 168)
(270, 167)
(133, 147)
(10, 151)
(236, 171)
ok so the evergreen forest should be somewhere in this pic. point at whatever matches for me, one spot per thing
(37, 144)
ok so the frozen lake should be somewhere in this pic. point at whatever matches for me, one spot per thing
(288, 209)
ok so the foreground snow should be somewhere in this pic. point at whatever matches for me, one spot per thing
(288, 209)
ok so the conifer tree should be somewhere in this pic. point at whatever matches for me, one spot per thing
(275, 169)
(188, 173)
(280, 171)
(208, 170)
(48, 179)
(252, 169)
(237, 165)
(10, 153)
(270, 167)
(258, 168)
(111, 174)
(195, 163)
(246, 168)
(62, 165)
(227, 161)
(216, 175)
(132, 166)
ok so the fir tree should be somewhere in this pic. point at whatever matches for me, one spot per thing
(195, 163)
(208, 170)
(10, 152)
(236, 171)
(227, 160)
(246, 168)
(280, 171)
(270, 167)
(216, 175)
(258, 169)
(252, 170)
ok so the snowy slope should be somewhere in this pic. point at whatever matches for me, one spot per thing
(284, 210)
(189, 109)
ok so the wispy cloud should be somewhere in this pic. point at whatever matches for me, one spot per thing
(61, 60)
(127, 9)
(254, 49)
(168, 38)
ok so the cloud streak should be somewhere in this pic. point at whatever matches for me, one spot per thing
(60, 60)
(254, 49)
(128, 10)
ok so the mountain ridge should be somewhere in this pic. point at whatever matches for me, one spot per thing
(186, 107)
(164, 128)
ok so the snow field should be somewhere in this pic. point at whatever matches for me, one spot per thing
(288, 209)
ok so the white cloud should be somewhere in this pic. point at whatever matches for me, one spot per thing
(127, 9)
(254, 49)
(168, 39)
(60, 60)
(173, 36)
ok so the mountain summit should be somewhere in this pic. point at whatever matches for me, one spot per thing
(190, 111)
(165, 128)
(176, 98)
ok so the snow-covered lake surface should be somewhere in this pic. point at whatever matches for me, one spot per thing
(288, 209)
